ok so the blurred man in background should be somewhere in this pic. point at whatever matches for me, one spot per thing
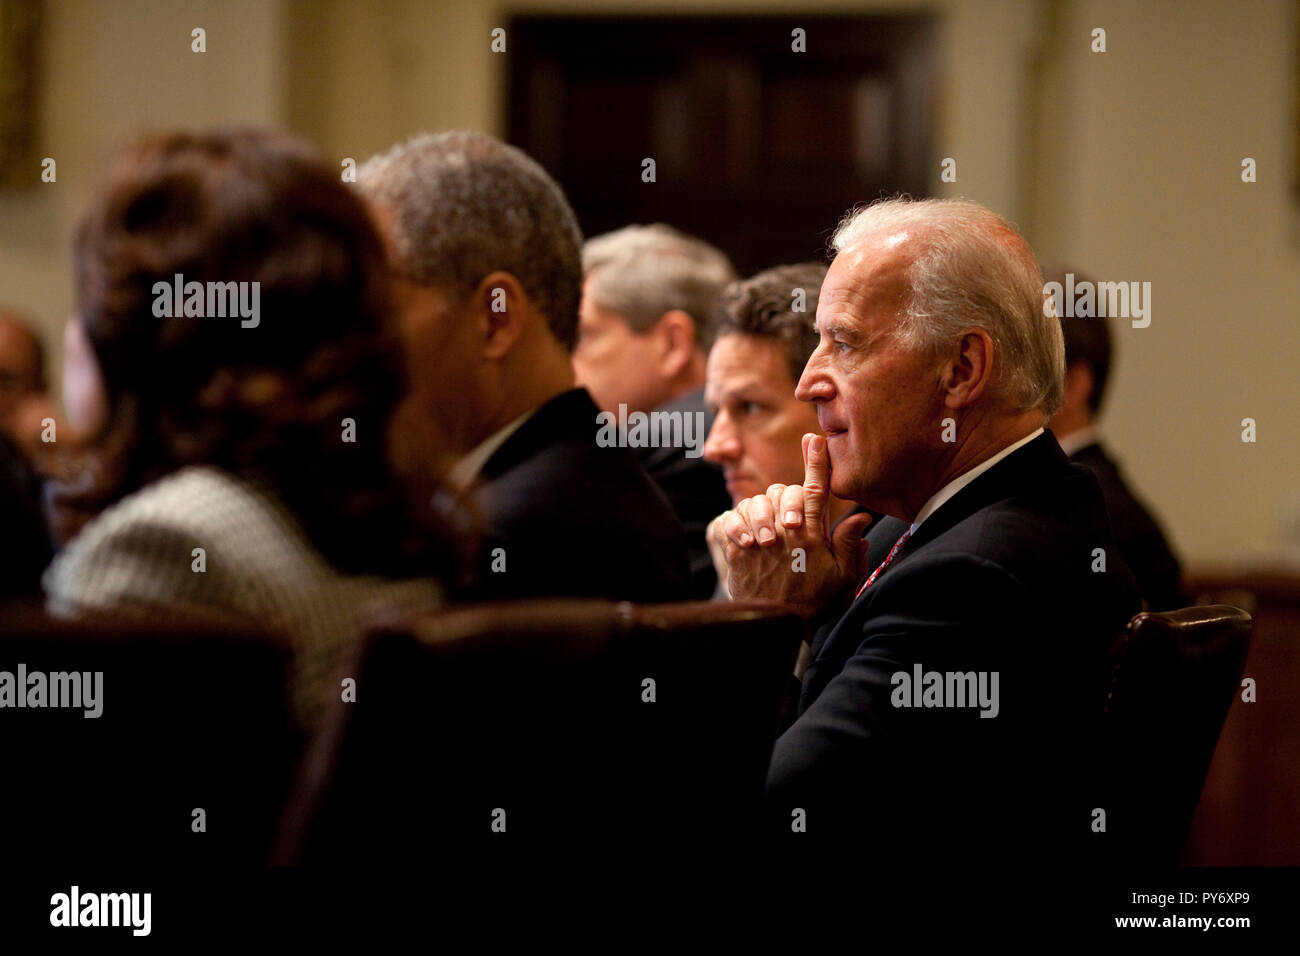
(646, 318)
(1142, 542)
(24, 403)
(764, 337)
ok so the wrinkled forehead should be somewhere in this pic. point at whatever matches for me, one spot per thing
(867, 283)
(739, 361)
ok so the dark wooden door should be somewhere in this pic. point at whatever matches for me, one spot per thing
(757, 148)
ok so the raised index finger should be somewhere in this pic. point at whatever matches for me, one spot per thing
(816, 479)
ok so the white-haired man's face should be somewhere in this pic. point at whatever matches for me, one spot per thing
(879, 400)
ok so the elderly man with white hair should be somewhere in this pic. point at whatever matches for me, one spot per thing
(959, 644)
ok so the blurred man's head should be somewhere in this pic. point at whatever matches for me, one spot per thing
(486, 257)
(758, 354)
(648, 300)
(933, 353)
(1088, 354)
(22, 362)
(25, 406)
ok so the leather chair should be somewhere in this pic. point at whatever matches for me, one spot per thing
(1247, 814)
(193, 716)
(1174, 676)
(573, 720)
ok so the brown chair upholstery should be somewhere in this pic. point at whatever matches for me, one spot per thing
(539, 708)
(1174, 677)
(193, 716)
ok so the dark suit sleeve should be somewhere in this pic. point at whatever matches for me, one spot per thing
(1138, 535)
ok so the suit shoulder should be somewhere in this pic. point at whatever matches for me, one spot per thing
(1031, 526)
(1048, 538)
(576, 482)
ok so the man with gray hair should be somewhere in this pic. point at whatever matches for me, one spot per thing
(959, 654)
(485, 254)
(648, 302)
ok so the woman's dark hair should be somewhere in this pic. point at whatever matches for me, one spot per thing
(268, 402)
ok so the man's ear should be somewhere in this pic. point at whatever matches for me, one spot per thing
(676, 331)
(501, 309)
(968, 371)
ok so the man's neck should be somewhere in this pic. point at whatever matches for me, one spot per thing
(691, 379)
(512, 406)
(510, 412)
(981, 443)
(956, 485)
(524, 386)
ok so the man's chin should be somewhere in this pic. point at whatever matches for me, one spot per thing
(838, 483)
(841, 487)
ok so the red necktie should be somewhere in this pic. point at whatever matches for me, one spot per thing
(884, 564)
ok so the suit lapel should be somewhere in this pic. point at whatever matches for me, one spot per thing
(1019, 472)
(1023, 470)
(880, 538)
(558, 419)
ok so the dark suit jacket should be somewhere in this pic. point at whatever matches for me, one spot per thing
(998, 579)
(574, 519)
(694, 487)
(1137, 534)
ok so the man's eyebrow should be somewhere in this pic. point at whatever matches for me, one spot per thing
(751, 389)
(833, 328)
(734, 393)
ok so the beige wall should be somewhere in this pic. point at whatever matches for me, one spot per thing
(1124, 163)
(111, 70)
(1145, 183)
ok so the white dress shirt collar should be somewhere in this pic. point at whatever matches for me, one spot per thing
(944, 494)
(462, 474)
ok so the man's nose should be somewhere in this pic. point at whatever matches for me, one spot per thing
(723, 444)
(814, 384)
